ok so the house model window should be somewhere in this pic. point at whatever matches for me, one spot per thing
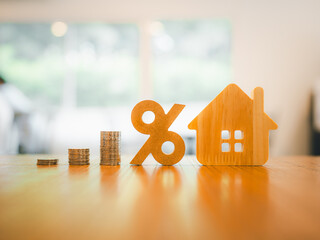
(228, 141)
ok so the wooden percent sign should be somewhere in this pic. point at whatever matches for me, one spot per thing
(159, 133)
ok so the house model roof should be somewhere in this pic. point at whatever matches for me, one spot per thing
(228, 93)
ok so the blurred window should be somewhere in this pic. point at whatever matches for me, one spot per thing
(105, 62)
(32, 59)
(89, 64)
(192, 59)
(97, 64)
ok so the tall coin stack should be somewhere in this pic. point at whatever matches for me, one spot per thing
(79, 156)
(110, 148)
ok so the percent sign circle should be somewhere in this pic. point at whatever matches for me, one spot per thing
(158, 131)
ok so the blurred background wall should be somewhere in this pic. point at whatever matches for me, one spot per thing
(274, 44)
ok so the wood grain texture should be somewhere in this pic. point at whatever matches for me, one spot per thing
(232, 110)
(159, 133)
(280, 200)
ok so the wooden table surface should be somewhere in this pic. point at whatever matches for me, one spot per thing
(280, 200)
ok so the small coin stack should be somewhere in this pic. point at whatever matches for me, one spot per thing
(79, 156)
(47, 161)
(110, 148)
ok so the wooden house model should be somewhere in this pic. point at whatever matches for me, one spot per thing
(233, 129)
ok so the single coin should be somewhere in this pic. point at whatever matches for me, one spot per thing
(79, 160)
(109, 157)
(109, 148)
(108, 133)
(77, 151)
(109, 154)
(76, 161)
(109, 164)
(79, 163)
(79, 157)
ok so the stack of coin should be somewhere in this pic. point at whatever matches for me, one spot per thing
(47, 161)
(110, 148)
(79, 156)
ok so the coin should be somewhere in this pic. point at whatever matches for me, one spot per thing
(79, 163)
(110, 148)
(109, 163)
(79, 156)
(78, 151)
(77, 160)
(47, 161)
